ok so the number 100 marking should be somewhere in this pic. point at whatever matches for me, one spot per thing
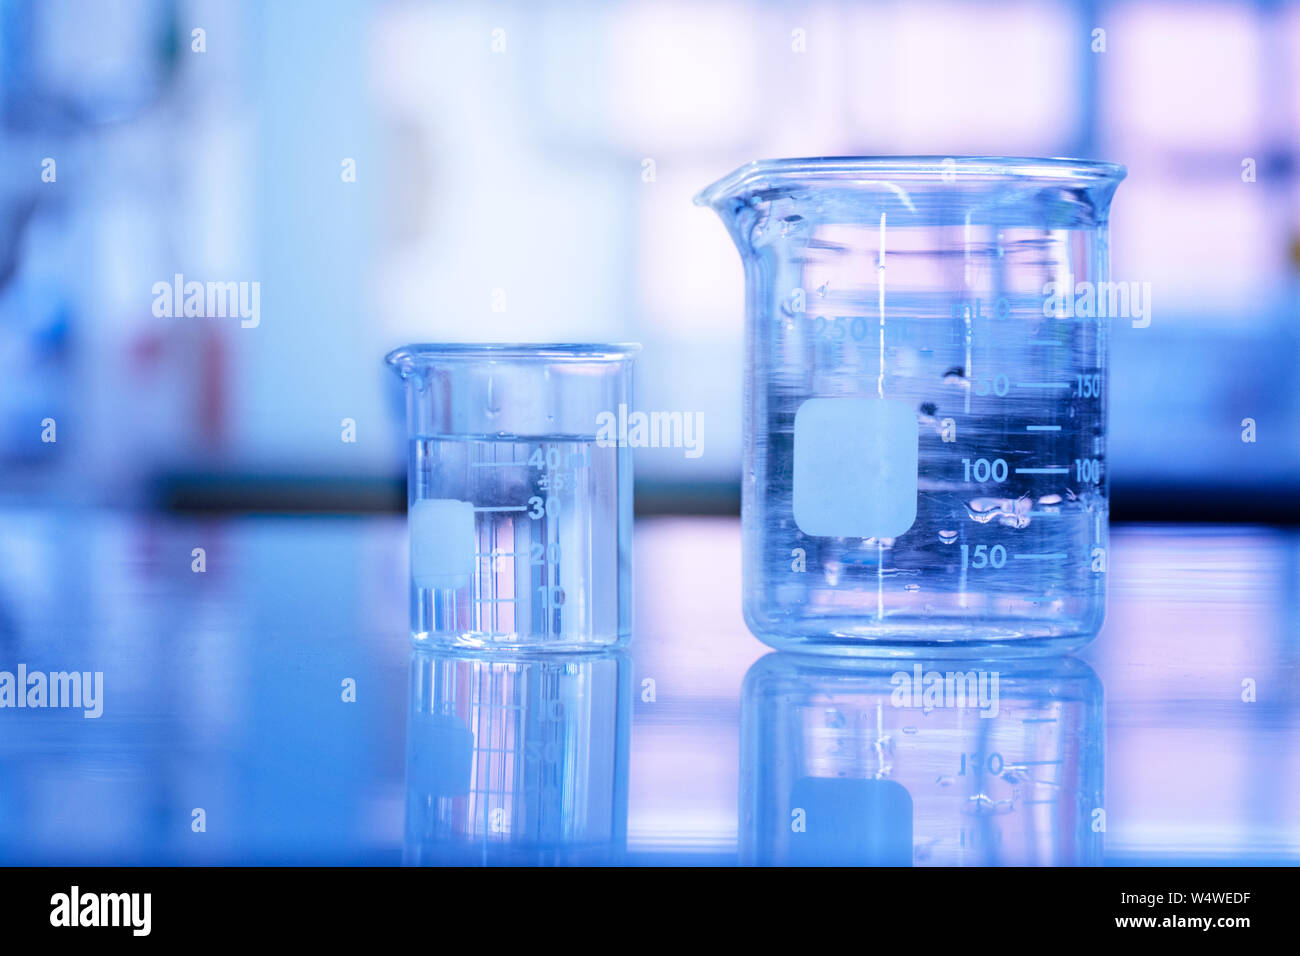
(1087, 470)
(981, 469)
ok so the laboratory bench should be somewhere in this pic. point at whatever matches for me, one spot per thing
(261, 703)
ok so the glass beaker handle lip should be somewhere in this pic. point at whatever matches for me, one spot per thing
(424, 353)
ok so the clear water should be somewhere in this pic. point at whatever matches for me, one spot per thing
(1010, 537)
(519, 541)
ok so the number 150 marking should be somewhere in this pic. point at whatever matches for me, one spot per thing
(984, 556)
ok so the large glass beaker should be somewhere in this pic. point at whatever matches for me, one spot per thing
(925, 418)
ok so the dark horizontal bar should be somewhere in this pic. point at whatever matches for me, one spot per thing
(280, 494)
(314, 494)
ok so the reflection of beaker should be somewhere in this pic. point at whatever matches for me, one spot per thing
(517, 761)
(940, 763)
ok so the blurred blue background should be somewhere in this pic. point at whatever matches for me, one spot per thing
(523, 171)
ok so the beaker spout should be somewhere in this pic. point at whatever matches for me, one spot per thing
(734, 200)
(402, 361)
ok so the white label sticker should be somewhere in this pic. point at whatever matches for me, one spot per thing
(442, 542)
(855, 467)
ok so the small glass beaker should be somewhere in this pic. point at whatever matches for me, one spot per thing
(925, 417)
(519, 494)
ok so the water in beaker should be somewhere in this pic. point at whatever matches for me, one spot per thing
(519, 506)
(926, 380)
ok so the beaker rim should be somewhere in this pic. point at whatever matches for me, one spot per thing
(913, 169)
(423, 353)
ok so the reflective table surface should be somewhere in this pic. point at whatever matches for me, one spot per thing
(269, 709)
